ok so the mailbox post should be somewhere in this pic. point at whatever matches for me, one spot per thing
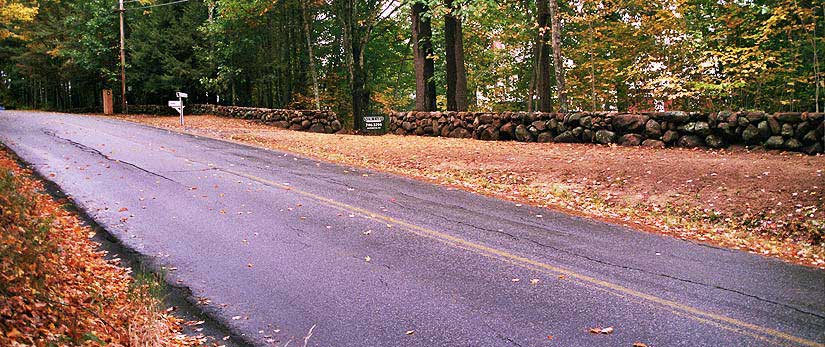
(178, 104)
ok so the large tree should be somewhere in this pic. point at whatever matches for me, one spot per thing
(542, 57)
(454, 48)
(425, 98)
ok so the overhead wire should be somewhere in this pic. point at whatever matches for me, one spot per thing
(156, 5)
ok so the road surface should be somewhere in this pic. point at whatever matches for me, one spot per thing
(292, 250)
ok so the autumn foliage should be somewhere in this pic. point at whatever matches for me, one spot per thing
(56, 288)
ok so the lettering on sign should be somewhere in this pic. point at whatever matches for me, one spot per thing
(374, 122)
(175, 103)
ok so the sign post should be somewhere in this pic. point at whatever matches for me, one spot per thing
(178, 104)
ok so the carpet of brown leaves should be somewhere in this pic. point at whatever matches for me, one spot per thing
(56, 288)
(769, 203)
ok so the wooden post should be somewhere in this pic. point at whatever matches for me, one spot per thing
(123, 102)
(108, 107)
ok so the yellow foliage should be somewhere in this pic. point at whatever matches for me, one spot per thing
(11, 12)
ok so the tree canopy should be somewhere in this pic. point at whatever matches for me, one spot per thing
(358, 56)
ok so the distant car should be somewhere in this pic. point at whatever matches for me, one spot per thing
(2, 108)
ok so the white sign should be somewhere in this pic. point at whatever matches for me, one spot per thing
(181, 95)
(175, 103)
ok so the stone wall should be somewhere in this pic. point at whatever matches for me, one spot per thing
(304, 120)
(791, 131)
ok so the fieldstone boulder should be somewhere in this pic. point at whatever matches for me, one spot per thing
(489, 134)
(793, 145)
(727, 128)
(676, 116)
(336, 125)
(545, 137)
(539, 125)
(317, 128)
(750, 134)
(653, 129)
(460, 133)
(653, 143)
(714, 141)
(522, 134)
(605, 136)
(566, 136)
(670, 136)
(789, 117)
(689, 141)
(803, 128)
(630, 140)
(755, 116)
(787, 130)
(702, 128)
(774, 124)
(506, 131)
(687, 127)
(810, 138)
(629, 122)
(587, 135)
(764, 129)
(586, 121)
(577, 131)
(774, 142)
(812, 149)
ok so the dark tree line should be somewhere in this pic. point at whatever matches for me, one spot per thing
(358, 57)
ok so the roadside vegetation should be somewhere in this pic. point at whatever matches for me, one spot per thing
(359, 57)
(770, 203)
(58, 289)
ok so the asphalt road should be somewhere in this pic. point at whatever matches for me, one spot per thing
(292, 250)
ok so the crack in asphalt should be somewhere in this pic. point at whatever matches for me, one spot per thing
(759, 298)
(88, 149)
(505, 338)
(501, 336)
(756, 297)
(511, 236)
(515, 238)
(523, 222)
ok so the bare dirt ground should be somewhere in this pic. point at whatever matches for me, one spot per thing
(769, 203)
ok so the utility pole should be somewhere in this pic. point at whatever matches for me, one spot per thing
(124, 106)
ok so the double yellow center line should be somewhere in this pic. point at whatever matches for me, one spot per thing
(761, 333)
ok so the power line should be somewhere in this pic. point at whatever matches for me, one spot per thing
(157, 5)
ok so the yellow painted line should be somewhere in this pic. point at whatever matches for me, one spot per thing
(695, 314)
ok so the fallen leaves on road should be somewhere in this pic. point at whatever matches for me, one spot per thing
(639, 344)
(605, 331)
(57, 289)
(410, 332)
(762, 202)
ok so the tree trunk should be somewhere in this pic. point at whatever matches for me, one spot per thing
(456, 73)
(423, 58)
(558, 65)
(592, 70)
(542, 58)
(310, 55)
